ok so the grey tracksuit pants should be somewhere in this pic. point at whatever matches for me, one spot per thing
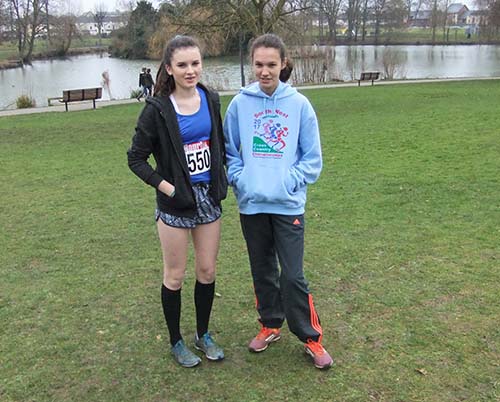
(270, 238)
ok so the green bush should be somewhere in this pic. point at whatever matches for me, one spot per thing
(25, 102)
(135, 93)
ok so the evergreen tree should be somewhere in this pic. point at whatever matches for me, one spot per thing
(132, 41)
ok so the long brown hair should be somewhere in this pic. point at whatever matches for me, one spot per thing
(165, 83)
(275, 42)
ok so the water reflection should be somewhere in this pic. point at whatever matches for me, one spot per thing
(314, 64)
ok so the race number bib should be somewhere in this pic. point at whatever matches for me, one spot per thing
(198, 157)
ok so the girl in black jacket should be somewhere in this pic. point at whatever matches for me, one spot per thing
(181, 127)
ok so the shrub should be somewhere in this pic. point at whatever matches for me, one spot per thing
(394, 64)
(25, 102)
(135, 93)
(313, 64)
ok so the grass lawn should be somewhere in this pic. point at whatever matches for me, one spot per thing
(402, 256)
(8, 50)
(413, 35)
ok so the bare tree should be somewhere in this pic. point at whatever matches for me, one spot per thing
(4, 17)
(331, 9)
(254, 16)
(261, 16)
(379, 9)
(226, 20)
(64, 31)
(413, 5)
(494, 16)
(353, 13)
(490, 23)
(27, 25)
(394, 64)
(396, 14)
(65, 7)
(434, 18)
(47, 22)
(364, 18)
(127, 5)
(100, 13)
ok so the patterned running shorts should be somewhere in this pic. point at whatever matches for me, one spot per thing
(206, 210)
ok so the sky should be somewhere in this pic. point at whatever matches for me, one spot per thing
(109, 5)
(112, 5)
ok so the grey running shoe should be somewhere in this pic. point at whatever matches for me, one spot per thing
(184, 356)
(264, 338)
(321, 358)
(208, 346)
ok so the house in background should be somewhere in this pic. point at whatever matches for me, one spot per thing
(477, 17)
(420, 18)
(87, 25)
(457, 14)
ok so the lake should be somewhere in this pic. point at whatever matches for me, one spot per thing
(48, 78)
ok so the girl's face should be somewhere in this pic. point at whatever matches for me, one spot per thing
(267, 65)
(185, 66)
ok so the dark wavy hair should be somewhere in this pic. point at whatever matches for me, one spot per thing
(275, 42)
(165, 83)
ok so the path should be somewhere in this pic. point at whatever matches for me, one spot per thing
(73, 106)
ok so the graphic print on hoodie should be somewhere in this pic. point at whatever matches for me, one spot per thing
(270, 132)
(273, 149)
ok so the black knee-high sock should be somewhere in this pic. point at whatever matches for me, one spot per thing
(171, 302)
(203, 300)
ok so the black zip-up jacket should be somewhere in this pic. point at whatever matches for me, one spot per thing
(157, 132)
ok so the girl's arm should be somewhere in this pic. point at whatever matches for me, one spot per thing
(308, 167)
(233, 143)
(143, 145)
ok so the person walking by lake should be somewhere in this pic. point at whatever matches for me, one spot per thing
(106, 84)
(273, 153)
(148, 82)
(142, 84)
(181, 127)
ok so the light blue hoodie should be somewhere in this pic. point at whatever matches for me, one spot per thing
(273, 149)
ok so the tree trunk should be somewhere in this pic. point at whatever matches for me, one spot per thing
(34, 27)
(71, 31)
(47, 23)
(331, 30)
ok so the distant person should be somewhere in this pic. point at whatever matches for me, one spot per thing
(181, 127)
(106, 84)
(273, 153)
(148, 82)
(142, 84)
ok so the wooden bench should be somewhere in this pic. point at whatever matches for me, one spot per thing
(49, 100)
(368, 76)
(78, 95)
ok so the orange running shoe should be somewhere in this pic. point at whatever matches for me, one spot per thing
(264, 338)
(320, 356)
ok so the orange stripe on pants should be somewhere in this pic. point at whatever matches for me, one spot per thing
(315, 319)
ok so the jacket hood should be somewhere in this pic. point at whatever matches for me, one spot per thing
(160, 102)
(282, 91)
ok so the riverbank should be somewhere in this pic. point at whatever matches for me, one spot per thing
(77, 106)
(397, 42)
(339, 41)
(47, 79)
(15, 62)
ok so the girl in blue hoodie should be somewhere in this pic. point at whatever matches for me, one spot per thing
(273, 152)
